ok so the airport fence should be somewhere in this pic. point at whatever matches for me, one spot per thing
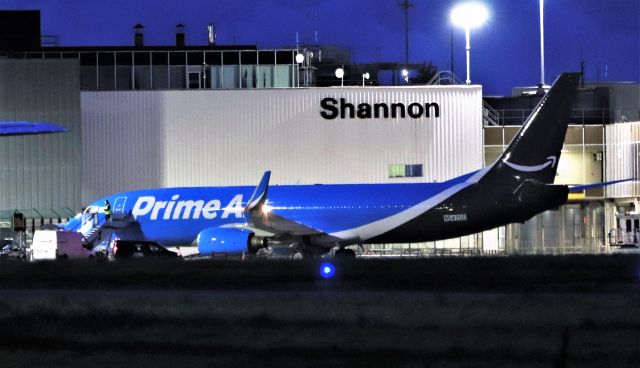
(428, 253)
(557, 247)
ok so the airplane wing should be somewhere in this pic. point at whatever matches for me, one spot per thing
(259, 216)
(279, 225)
(579, 188)
(29, 127)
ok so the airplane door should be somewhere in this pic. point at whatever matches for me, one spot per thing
(118, 211)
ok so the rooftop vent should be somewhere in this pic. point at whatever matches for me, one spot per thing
(180, 38)
(138, 36)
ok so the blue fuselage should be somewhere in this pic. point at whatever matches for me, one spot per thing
(176, 215)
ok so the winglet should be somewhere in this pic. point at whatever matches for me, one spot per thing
(260, 193)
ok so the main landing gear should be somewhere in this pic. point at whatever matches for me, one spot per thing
(344, 253)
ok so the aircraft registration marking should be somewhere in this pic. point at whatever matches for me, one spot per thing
(460, 217)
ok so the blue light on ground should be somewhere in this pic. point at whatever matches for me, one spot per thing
(327, 270)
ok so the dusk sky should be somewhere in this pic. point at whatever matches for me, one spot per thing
(504, 52)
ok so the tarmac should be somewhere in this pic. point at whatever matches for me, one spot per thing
(569, 311)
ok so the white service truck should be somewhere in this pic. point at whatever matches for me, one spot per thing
(52, 244)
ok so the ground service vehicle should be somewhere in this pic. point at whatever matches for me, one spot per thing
(127, 249)
(12, 250)
(53, 244)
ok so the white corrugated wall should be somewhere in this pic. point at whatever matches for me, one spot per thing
(622, 151)
(138, 139)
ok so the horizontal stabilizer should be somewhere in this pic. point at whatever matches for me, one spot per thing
(579, 188)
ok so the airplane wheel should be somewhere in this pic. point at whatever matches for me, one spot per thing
(345, 254)
(303, 254)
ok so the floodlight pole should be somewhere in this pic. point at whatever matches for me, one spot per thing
(542, 42)
(406, 4)
(466, 31)
(469, 16)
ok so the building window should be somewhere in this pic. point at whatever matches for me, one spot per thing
(405, 171)
(144, 70)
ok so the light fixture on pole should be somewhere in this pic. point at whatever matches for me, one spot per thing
(468, 16)
(340, 74)
(299, 61)
(405, 75)
(364, 76)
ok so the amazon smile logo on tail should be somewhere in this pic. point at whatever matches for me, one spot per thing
(551, 161)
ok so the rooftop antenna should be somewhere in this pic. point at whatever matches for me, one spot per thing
(406, 4)
(452, 67)
(310, 34)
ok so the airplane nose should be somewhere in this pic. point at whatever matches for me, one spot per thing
(72, 224)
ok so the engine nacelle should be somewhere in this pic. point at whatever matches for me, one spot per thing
(228, 240)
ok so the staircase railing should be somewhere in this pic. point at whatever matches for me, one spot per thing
(445, 77)
(490, 116)
(94, 232)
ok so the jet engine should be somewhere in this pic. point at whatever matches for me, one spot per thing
(228, 240)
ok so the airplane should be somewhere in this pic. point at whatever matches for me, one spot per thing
(29, 128)
(314, 219)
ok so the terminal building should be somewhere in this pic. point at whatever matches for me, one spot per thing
(160, 116)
